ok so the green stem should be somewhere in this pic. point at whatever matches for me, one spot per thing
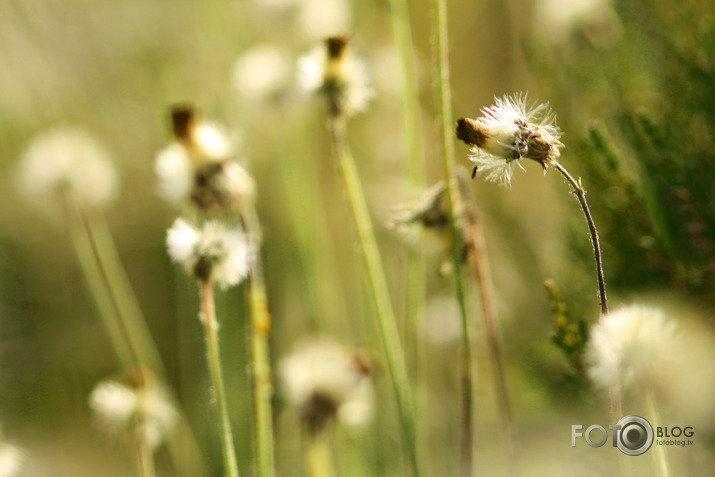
(455, 204)
(414, 295)
(131, 316)
(378, 287)
(319, 457)
(146, 458)
(213, 355)
(92, 272)
(260, 355)
(660, 457)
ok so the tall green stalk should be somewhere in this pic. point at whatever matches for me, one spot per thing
(455, 204)
(378, 286)
(415, 275)
(213, 356)
(260, 355)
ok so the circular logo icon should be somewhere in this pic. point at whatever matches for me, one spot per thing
(635, 435)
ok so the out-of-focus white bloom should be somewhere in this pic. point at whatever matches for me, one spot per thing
(11, 460)
(324, 380)
(68, 163)
(507, 132)
(215, 251)
(333, 70)
(135, 404)
(562, 21)
(262, 73)
(318, 19)
(197, 169)
(632, 346)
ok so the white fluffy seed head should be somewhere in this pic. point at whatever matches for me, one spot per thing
(213, 251)
(141, 409)
(261, 74)
(333, 70)
(323, 381)
(12, 460)
(632, 347)
(508, 132)
(68, 164)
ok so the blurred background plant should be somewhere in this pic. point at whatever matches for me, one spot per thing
(631, 82)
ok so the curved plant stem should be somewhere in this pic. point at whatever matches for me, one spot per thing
(260, 355)
(455, 204)
(581, 195)
(378, 286)
(213, 355)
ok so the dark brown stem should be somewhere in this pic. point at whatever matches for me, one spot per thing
(581, 194)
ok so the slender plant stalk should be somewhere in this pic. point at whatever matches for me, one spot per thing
(130, 313)
(92, 272)
(146, 458)
(660, 457)
(581, 194)
(378, 287)
(319, 457)
(213, 356)
(414, 293)
(260, 355)
(480, 264)
(455, 204)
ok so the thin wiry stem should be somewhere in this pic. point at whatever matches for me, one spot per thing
(213, 356)
(378, 286)
(260, 355)
(581, 195)
(455, 204)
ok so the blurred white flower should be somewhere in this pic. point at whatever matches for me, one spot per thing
(214, 251)
(11, 460)
(318, 19)
(262, 73)
(197, 169)
(323, 380)
(508, 132)
(68, 163)
(560, 22)
(135, 404)
(333, 70)
(633, 346)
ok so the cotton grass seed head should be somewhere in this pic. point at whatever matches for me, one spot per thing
(324, 380)
(12, 460)
(632, 347)
(506, 133)
(134, 405)
(333, 70)
(214, 251)
(261, 74)
(197, 170)
(68, 164)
